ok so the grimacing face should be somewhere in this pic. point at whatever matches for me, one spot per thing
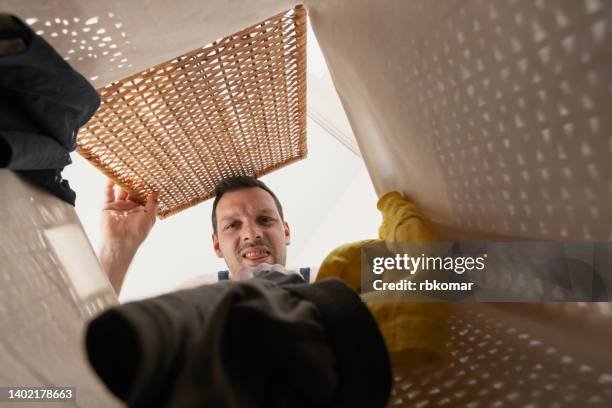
(250, 230)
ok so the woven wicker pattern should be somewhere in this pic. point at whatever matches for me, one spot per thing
(234, 107)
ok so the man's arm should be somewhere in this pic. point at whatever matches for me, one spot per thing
(125, 225)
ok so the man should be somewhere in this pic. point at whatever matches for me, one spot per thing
(192, 342)
(249, 230)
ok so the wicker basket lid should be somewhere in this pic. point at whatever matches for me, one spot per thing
(234, 107)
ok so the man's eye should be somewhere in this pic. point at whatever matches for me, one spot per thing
(230, 226)
(266, 220)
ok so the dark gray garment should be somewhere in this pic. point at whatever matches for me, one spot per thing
(244, 344)
(43, 102)
(305, 272)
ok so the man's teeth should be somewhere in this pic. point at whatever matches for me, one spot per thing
(256, 254)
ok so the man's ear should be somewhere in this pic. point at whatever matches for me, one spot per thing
(216, 245)
(287, 233)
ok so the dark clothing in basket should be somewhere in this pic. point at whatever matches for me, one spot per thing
(272, 341)
(43, 102)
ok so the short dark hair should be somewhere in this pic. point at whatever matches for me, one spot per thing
(238, 183)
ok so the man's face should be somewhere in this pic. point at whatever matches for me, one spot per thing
(250, 230)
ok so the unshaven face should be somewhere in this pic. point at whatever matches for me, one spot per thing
(250, 230)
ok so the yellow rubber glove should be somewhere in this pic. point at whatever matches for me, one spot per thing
(415, 332)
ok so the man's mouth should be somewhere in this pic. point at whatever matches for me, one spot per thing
(255, 254)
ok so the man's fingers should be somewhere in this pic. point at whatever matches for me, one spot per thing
(123, 195)
(151, 205)
(110, 191)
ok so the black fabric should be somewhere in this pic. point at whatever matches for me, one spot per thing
(224, 275)
(305, 272)
(43, 102)
(243, 344)
(364, 366)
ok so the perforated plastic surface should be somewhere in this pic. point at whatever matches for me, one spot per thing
(508, 356)
(107, 41)
(492, 116)
(50, 285)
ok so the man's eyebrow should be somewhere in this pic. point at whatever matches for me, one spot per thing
(235, 215)
(228, 217)
(268, 212)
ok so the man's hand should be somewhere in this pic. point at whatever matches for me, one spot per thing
(124, 221)
(125, 225)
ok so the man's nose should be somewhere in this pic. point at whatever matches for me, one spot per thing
(251, 232)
